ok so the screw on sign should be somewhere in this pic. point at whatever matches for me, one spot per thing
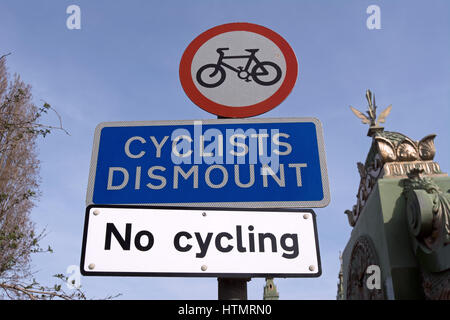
(238, 70)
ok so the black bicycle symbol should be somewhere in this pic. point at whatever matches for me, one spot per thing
(265, 73)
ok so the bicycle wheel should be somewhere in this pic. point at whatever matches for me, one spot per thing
(266, 73)
(211, 75)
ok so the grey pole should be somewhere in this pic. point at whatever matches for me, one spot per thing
(232, 288)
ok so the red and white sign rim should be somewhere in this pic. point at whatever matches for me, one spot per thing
(245, 111)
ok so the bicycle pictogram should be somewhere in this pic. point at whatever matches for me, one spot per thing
(265, 73)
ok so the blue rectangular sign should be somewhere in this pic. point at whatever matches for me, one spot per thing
(246, 163)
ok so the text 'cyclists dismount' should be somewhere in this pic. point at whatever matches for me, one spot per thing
(238, 70)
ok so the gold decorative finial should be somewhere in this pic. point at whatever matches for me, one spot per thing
(371, 117)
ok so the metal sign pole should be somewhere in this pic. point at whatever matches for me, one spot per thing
(232, 288)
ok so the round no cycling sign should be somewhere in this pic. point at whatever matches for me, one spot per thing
(238, 70)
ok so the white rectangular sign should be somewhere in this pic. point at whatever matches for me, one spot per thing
(161, 241)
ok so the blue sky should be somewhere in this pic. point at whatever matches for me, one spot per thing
(123, 66)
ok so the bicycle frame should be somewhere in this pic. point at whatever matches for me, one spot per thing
(251, 57)
(259, 69)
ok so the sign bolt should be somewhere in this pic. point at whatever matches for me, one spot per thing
(204, 214)
(311, 268)
(305, 216)
(204, 267)
(91, 266)
(96, 212)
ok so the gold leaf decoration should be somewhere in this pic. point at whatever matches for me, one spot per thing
(407, 151)
(427, 149)
(386, 149)
(360, 115)
(384, 114)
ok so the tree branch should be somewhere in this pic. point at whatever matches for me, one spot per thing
(34, 294)
(5, 55)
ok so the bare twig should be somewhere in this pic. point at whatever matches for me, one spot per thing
(34, 294)
(59, 119)
(5, 55)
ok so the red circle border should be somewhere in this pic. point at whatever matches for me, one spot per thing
(238, 112)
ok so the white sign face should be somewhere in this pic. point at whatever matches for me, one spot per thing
(144, 241)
